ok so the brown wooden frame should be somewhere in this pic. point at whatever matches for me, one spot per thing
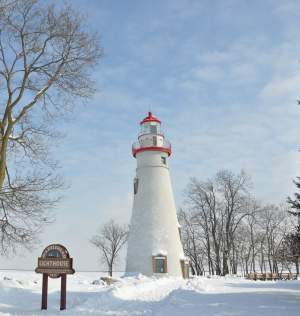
(159, 256)
(184, 268)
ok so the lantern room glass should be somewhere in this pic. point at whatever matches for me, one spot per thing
(150, 128)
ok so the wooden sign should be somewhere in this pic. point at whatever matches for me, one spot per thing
(55, 262)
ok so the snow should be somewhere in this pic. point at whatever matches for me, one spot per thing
(20, 294)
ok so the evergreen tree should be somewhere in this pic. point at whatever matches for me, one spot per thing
(289, 252)
(292, 240)
(295, 203)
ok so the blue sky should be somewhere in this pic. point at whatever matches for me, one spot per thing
(223, 76)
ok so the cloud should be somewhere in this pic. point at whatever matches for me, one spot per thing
(287, 8)
(209, 73)
(282, 87)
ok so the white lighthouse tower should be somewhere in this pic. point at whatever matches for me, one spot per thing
(154, 245)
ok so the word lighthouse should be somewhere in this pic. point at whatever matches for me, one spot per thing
(154, 245)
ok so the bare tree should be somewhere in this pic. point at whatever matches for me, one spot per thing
(193, 242)
(218, 207)
(46, 56)
(247, 238)
(203, 201)
(234, 189)
(109, 241)
(274, 226)
(228, 231)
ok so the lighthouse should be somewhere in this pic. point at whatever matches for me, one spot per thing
(154, 244)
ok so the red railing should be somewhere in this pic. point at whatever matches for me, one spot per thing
(164, 147)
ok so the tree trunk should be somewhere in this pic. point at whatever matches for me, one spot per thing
(297, 265)
(3, 154)
(270, 263)
(193, 270)
(246, 266)
(218, 260)
(210, 265)
(225, 263)
(253, 258)
(110, 271)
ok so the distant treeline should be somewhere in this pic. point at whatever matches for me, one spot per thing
(225, 230)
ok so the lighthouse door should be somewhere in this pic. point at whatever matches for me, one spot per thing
(159, 264)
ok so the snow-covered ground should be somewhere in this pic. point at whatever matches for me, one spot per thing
(20, 294)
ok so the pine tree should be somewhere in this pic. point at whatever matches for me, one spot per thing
(293, 239)
(290, 249)
(295, 204)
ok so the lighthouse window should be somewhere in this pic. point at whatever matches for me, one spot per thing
(135, 185)
(164, 160)
(153, 129)
(159, 264)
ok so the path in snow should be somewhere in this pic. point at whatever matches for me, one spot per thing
(20, 294)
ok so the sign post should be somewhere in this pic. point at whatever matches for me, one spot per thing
(63, 292)
(45, 291)
(55, 262)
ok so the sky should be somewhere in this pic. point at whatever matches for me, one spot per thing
(223, 77)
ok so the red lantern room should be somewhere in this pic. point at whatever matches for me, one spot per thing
(151, 137)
